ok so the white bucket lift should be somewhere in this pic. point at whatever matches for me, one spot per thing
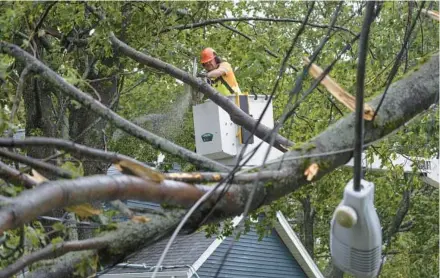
(218, 138)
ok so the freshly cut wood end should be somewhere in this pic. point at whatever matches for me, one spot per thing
(140, 219)
(368, 112)
(311, 171)
(306, 61)
(36, 177)
(285, 148)
(137, 169)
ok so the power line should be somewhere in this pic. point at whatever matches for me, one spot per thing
(360, 86)
(398, 59)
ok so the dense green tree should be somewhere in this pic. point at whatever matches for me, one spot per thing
(265, 42)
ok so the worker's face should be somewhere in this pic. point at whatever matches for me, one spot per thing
(211, 65)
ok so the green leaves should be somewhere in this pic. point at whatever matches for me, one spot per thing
(161, 105)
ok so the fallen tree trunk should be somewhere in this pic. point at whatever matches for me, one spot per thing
(405, 99)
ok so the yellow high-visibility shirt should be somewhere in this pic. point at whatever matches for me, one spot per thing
(229, 78)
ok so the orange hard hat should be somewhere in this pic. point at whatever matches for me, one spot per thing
(207, 55)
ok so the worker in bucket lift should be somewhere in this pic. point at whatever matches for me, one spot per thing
(219, 73)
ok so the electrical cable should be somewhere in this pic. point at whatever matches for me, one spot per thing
(204, 198)
(275, 130)
(360, 84)
(225, 189)
(398, 59)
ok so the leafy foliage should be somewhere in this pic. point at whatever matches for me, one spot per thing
(75, 44)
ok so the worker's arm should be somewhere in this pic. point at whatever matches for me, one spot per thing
(222, 70)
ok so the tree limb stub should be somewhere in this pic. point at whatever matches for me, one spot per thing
(15, 176)
(237, 115)
(107, 113)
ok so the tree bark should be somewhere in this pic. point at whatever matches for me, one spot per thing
(308, 222)
(108, 114)
(331, 149)
(81, 118)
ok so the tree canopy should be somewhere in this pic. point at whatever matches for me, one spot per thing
(100, 83)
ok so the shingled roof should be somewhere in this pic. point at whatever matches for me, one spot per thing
(185, 250)
(277, 255)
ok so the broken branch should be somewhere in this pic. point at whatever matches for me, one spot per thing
(337, 91)
(63, 193)
(15, 177)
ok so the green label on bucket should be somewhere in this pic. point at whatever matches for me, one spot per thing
(207, 137)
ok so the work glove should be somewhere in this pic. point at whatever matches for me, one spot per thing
(202, 75)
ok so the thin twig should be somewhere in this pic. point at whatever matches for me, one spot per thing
(66, 145)
(289, 51)
(397, 63)
(43, 16)
(21, 82)
(37, 164)
(265, 19)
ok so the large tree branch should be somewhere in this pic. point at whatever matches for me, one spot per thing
(112, 157)
(238, 19)
(406, 98)
(37, 164)
(237, 115)
(53, 251)
(331, 149)
(66, 145)
(127, 238)
(62, 193)
(107, 113)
